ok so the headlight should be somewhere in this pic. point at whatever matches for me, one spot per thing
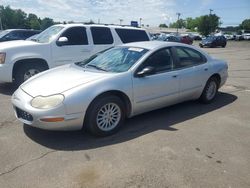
(2, 57)
(47, 102)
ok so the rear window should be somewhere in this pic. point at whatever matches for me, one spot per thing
(132, 35)
(101, 35)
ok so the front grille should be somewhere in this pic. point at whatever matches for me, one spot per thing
(23, 115)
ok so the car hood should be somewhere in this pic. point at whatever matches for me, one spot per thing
(60, 79)
(16, 43)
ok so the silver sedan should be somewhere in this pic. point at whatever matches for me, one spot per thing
(99, 93)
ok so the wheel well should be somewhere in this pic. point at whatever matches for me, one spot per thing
(218, 78)
(27, 61)
(124, 98)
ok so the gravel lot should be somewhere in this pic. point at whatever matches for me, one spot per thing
(186, 145)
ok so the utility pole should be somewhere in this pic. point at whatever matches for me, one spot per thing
(210, 11)
(1, 25)
(121, 20)
(140, 21)
(178, 14)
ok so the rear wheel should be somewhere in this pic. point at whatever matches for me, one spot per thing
(210, 91)
(26, 71)
(105, 116)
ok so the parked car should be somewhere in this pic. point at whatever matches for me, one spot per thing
(61, 44)
(99, 93)
(246, 36)
(214, 41)
(186, 39)
(239, 37)
(17, 34)
(169, 38)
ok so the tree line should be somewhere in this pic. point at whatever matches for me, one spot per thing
(205, 24)
(18, 19)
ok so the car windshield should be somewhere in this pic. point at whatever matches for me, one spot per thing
(3, 33)
(48, 34)
(118, 59)
(210, 38)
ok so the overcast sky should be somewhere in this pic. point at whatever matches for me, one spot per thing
(152, 12)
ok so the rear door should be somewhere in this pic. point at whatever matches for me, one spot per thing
(102, 38)
(193, 72)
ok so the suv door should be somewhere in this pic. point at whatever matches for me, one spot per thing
(102, 38)
(158, 89)
(193, 72)
(76, 49)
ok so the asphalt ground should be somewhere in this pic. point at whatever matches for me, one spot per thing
(186, 145)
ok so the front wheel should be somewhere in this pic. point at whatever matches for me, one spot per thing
(210, 91)
(105, 116)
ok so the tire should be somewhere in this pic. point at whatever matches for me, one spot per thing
(26, 71)
(98, 117)
(210, 91)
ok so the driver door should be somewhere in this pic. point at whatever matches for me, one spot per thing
(76, 49)
(158, 89)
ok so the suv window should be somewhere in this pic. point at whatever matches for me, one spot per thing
(160, 60)
(101, 35)
(76, 36)
(188, 57)
(131, 35)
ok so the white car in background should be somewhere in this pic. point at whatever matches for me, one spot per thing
(121, 82)
(59, 45)
(246, 36)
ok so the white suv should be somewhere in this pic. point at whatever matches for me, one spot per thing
(61, 44)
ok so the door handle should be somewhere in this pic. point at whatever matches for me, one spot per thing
(174, 76)
(206, 69)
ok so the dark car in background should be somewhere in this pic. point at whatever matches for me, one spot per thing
(186, 40)
(17, 34)
(213, 41)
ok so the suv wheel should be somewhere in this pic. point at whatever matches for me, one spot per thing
(26, 71)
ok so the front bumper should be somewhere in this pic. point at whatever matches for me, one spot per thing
(32, 116)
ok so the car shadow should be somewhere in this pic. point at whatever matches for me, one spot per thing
(163, 119)
(7, 88)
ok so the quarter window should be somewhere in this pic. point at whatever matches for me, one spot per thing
(101, 35)
(76, 36)
(132, 35)
(188, 57)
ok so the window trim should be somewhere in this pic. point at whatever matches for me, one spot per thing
(177, 58)
(139, 68)
(61, 35)
(93, 27)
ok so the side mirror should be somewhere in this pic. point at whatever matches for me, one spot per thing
(146, 71)
(62, 41)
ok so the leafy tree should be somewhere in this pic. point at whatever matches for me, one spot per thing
(46, 22)
(191, 23)
(33, 21)
(245, 24)
(163, 25)
(208, 24)
(179, 23)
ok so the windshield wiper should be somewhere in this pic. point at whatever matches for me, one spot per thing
(96, 67)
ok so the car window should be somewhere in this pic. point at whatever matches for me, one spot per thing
(161, 61)
(132, 35)
(188, 57)
(101, 35)
(76, 36)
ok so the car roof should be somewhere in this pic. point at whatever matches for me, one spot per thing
(151, 45)
(101, 25)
